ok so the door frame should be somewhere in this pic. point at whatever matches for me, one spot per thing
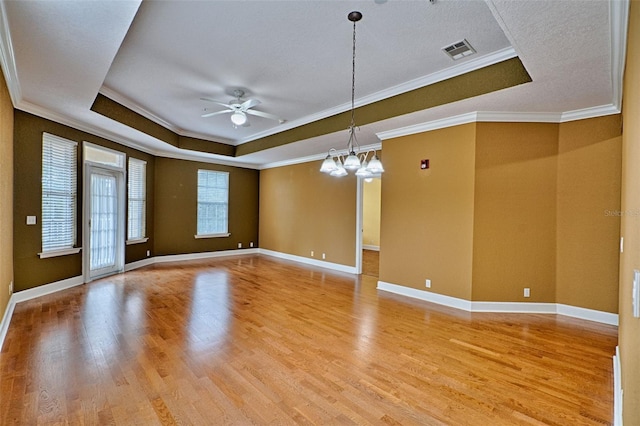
(119, 173)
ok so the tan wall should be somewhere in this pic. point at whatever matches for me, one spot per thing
(589, 167)
(515, 208)
(6, 195)
(303, 210)
(176, 206)
(371, 212)
(629, 330)
(427, 215)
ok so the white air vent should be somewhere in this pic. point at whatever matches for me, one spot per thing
(459, 50)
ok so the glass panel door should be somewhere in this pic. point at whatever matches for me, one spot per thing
(104, 221)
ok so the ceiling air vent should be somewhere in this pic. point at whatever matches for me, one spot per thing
(459, 50)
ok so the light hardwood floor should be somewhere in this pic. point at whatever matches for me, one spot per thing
(256, 340)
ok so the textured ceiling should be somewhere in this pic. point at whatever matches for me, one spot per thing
(158, 58)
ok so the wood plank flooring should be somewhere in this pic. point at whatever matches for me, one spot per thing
(370, 263)
(256, 340)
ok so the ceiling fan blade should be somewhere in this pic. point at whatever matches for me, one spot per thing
(211, 114)
(249, 104)
(225, 104)
(264, 114)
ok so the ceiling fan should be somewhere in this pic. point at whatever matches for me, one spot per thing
(239, 109)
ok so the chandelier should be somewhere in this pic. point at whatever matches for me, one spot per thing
(337, 165)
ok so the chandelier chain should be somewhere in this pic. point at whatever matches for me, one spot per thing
(353, 77)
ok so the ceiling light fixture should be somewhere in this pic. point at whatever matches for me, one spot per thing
(336, 164)
(239, 118)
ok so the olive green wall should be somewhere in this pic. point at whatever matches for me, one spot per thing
(29, 270)
(514, 234)
(588, 228)
(426, 226)
(176, 208)
(629, 330)
(303, 210)
(6, 195)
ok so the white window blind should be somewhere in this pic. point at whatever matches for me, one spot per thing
(137, 197)
(59, 193)
(213, 202)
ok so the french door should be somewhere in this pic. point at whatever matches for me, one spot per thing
(104, 220)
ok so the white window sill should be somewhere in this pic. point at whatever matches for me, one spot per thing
(137, 241)
(62, 252)
(198, 236)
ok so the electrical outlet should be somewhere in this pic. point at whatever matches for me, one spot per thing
(427, 283)
(324, 256)
(311, 253)
(10, 288)
(148, 253)
(251, 244)
(239, 245)
(527, 292)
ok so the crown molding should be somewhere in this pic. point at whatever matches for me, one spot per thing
(7, 58)
(317, 157)
(619, 23)
(460, 69)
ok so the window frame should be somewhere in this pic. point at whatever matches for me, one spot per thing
(70, 192)
(134, 162)
(198, 234)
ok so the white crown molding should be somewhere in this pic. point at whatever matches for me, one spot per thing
(502, 307)
(619, 23)
(501, 117)
(456, 70)
(581, 114)
(442, 123)
(7, 58)
(316, 157)
(133, 106)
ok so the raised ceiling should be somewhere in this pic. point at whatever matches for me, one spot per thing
(158, 58)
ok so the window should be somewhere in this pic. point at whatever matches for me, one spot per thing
(59, 195)
(137, 205)
(213, 204)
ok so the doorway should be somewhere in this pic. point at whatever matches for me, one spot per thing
(103, 212)
(370, 201)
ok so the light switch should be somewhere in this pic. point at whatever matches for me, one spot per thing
(31, 220)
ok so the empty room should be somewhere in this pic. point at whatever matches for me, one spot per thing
(420, 212)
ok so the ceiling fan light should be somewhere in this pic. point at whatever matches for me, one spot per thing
(375, 165)
(328, 165)
(352, 162)
(238, 118)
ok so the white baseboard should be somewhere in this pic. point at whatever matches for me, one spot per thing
(32, 293)
(428, 296)
(204, 255)
(43, 290)
(6, 319)
(505, 307)
(139, 264)
(309, 261)
(617, 389)
(588, 314)
(369, 247)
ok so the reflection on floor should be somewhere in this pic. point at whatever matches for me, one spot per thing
(258, 340)
(370, 263)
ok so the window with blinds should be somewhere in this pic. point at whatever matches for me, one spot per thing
(137, 200)
(213, 203)
(59, 193)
